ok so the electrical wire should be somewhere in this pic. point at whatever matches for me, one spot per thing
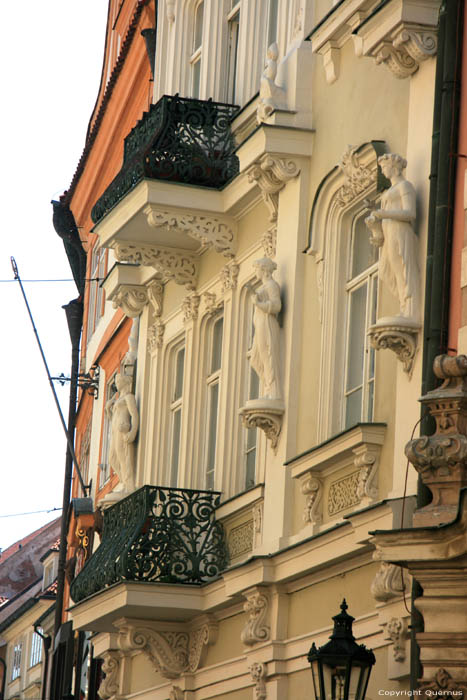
(32, 512)
(86, 279)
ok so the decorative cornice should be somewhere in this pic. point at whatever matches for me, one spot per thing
(110, 684)
(208, 230)
(389, 583)
(190, 307)
(131, 299)
(256, 630)
(312, 488)
(397, 632)
(172, 264)
(271, 173)
(258, 675)
(229, 277)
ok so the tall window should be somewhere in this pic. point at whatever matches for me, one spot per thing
(272, 21)
(197, 48)
(361, 291)
(110, 392)
(36, 649)
(252, 392)
(213, 386)
(16, 661)
(233, 19)
(176, 413)
(96, 291)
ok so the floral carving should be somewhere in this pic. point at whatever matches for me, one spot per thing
(268, 241)
(190, 307)
(343, 493)
(397, 632)
(357, 177)
(400, 338)
(156, 335)
(444, 685)
(110, 684)
(271, 174)
(167, 650)
(256, 630)
(131, 299)
(400, 63)
(211, 303)
(312, 488)
(367, 460)
(240, 539)
(258, 674)
(267, 419)
(390, 582)
(209, 231)
(200, 638)
(229, 277)
(168, 262)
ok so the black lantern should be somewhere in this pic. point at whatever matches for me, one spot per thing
(341, 668)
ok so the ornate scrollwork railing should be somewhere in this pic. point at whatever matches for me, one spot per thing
(180, 140)
(156, 534)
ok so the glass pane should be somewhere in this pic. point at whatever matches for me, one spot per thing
(212, 429)
(196, 78)
(254, 385)
(216, 357)
(177, 419)
(198, 35)
(272, 21)
(356, 337)
(353, 408)
(251, 466)
(363, 253)
(179, 366)
(233, 55)
(371, 392)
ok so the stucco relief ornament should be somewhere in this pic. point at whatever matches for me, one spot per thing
(258, 675)
(229, 277)
(271, 96)
(171, 264)
(156, 335)
(443, 685)
(398, 633)
(131, 299)
(266, 412)
(312, 488)
(123, 415)
(271, 174)
(392, 229)
(166, 650)
(389, 583)
(256, 630)
(357, 176)
(110, 685)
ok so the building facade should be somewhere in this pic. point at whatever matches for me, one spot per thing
(254, 198)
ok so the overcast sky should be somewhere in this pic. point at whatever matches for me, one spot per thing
(51, 56)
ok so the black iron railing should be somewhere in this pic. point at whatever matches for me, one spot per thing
(180, 140)
(156, 534)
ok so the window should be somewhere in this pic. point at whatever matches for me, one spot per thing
(36, 648)
(252, 392)
(195, 59)
(213, 386)
(110, 392)
(272, 21)
(49, 575)
(233, 19)
(361, 293)
(96, 291)
(176, 413)
(16, 661)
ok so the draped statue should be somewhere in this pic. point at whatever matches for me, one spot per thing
(123, 415)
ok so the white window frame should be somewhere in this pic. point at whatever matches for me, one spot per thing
(212, 385)
(233, 34)
(197, 51)
(99, 260)
(35, 654)
(16, 659)
(175, 409)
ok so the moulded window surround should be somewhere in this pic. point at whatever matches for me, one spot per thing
(213, 380)
(99, 258)
(175, 408)
(233, 24)
(197, 49)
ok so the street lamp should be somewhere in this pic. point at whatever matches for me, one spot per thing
(341, 668)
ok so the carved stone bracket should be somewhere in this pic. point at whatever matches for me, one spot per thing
(312, 488)
(156, 296)
(208, 230)
(172, 650)
(190, 307)
(110, 684)
(256, 630)
(389, 583)
(404, 53)
(398, 633)
(131, 299)
(269, 240)
(399, 335)
(367, 460)
(258, 675)
(266, 415)
(271, 174)
(156, 335)
(229, 277)
(172, 264)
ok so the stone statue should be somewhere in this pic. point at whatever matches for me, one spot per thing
(392, 229)
(123, 415)
(265, 356)
(271, 96)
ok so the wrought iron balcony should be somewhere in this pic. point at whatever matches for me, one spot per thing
(179, 140)
(156, 534)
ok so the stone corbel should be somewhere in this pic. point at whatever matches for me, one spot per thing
(271, 173)
(403, 51)
(397, 60)
(212, 231)
(312, 488)
(156, 296)
(167, 650)
(265, 415)
(190, 307)
(367, 460)
(419, 43)
(389, 583)
(258, 675)
(257, 607)
(131, 299)
(398, 633)
(170, 263)
(400, 336)
(331, 61)
(110, 684)
(203, 634)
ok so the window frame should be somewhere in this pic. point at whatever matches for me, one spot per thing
(175, 408)
(35, 652)
(233, 36)
(16, 660)
(196, 54)
(212, 379)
